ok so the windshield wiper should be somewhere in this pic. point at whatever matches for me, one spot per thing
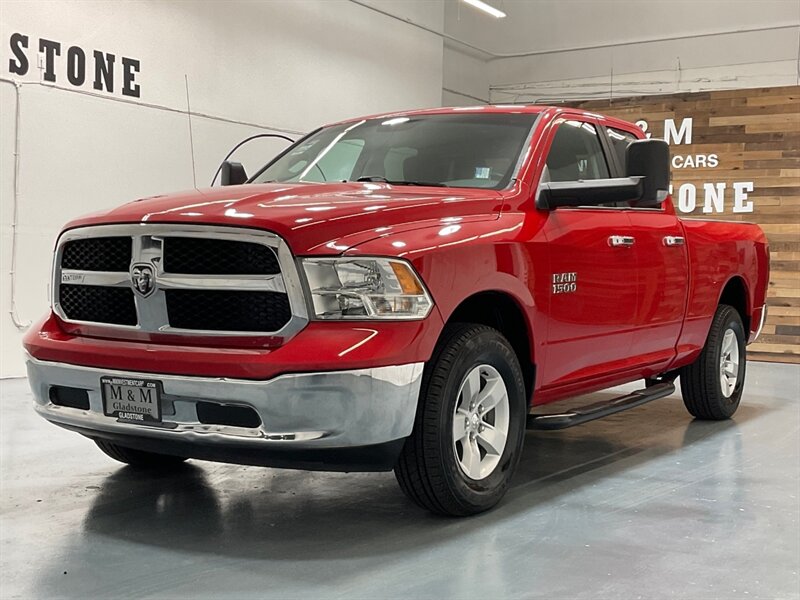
(397, 182)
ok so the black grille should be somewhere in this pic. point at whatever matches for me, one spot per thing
(97, 303)
(203, 256)
(97, 254)
(221, 310)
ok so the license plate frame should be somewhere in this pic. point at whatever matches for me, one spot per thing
(138, 400)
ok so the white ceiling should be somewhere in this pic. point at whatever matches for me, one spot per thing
(534, 25)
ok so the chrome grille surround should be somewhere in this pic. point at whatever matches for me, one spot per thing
(151, 309)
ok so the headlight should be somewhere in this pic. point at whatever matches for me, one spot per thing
(365, 288)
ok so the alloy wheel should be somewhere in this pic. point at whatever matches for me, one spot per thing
(480, 422)
(729, 363)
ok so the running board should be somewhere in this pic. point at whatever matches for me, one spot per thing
(599, 410)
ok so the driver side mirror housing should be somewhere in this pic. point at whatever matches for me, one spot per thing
(649, 159)
(232, 173)
(646, 184)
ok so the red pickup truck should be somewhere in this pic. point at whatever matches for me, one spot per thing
(400, 292)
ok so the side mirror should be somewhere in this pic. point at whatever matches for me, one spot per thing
(646, 183)
(232, 173)
(649, 159)
(589, 192)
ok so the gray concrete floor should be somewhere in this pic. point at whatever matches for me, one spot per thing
(645, 504)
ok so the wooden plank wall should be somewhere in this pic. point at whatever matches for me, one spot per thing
(755, 134)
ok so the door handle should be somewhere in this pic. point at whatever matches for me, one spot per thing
(674, 240)
(621, 240)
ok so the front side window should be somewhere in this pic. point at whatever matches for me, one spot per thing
(620, 140)
(576, 154)
(451, 150)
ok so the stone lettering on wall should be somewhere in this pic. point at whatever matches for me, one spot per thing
(75, 65)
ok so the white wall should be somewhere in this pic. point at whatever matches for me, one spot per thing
(695, 62)
(465, 81)
(286, 65)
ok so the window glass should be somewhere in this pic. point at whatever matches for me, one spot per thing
(394, 161)
(619, 142)
(335, 165)
(576, 153)
(477, 150)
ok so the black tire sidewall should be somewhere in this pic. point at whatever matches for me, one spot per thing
(487, 348)
(733, 322)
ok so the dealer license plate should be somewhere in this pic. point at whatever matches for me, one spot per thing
(135, 400)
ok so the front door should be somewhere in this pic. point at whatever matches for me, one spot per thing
(592, 307)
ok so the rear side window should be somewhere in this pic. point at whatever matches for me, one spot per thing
(576, 153)
(619, 143)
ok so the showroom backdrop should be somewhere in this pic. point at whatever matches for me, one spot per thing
(100, 111)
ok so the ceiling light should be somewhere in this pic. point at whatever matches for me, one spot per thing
(495, 12)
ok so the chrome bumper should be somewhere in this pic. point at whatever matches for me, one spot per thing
(338, 409)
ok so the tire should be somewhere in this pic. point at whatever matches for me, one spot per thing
(433, 466)
(702, 387)
(139, 458)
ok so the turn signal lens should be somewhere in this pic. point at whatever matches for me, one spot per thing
(407, 279)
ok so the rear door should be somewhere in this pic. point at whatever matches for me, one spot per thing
(662, 267)
(592, 305)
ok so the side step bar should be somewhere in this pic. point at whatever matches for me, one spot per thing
(598, 410)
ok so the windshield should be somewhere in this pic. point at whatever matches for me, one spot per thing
(452, 150)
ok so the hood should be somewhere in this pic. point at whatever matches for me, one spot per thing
(318, 218)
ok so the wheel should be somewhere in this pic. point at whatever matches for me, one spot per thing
(139, 458)
(470, 424)
(712, 385)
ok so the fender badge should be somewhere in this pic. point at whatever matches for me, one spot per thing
(565, 283)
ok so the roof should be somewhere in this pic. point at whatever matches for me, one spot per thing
(447, 110)
(499, 109)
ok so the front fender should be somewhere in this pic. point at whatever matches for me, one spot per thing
(459, 259)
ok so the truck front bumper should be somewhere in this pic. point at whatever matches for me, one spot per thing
(353, 420)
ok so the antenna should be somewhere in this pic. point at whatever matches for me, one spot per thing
(191, 137)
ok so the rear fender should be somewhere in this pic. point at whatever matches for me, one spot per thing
(719, 252)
